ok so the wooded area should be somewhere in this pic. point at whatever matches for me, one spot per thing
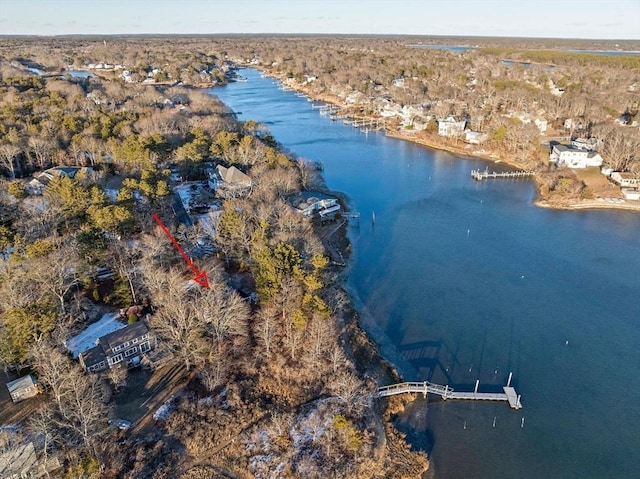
(270, 359)
(275, 376)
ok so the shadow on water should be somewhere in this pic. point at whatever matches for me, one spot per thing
(433, 362)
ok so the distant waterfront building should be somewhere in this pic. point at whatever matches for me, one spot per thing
(475, 137)
(308, 202)
(572, 157)
(450, 127)
(625, 179)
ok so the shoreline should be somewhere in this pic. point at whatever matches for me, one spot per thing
(541, 201)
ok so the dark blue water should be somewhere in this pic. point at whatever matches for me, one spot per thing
(462, 280)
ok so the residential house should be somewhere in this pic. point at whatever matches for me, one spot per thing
(231, 177)
(414, 115)
(22, 388)
(625, 179)
(589, 144)
(572, 157)
(631, 194)
(574, 124)
(124, 346)
(37, 185)
(450, 127)
(475, 137)
(308, 202)
(527, 118)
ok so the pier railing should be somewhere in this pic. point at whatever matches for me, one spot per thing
(425, 387)
(485, 175)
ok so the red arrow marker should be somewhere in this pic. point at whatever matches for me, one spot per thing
(201, 276)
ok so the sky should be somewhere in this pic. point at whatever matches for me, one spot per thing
(602, 19)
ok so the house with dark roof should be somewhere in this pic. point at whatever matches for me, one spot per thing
(125, 346)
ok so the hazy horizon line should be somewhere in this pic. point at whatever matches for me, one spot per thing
(150, 34)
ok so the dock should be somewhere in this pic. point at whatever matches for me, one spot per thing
(445, 392)
(485, 175)
(368, 124)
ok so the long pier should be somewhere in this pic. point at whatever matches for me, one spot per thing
(446, 392)
(485, 175)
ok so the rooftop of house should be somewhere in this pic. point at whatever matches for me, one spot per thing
(93, 355)
(129, 332)
(21, 383)
(305, 199)
(233, 175)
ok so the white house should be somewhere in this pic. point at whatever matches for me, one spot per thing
(475, 137)
(589, 144)
(572, 157)
(540, 123)
(450, 127)
(631, 194)
(308, 202)
(625, 179)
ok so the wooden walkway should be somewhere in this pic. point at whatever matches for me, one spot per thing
(485, 175)
(509, 395)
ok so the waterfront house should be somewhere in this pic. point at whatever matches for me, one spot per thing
(475, 137)
(572, 157)
(22, 388)
(450, 127)
(124, 346)
(631, 194)
(625, 179)
(308, 202)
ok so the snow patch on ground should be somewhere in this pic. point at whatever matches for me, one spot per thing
(87, 338)
(165, 410)
(309, 427)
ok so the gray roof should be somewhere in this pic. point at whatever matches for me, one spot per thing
(233, 176)
(129, 332)
(93, 356)
(21, 383)
(564, 148)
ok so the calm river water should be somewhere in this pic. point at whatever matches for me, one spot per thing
(460, 280)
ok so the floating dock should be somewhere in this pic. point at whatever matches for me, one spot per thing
(425, 387)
